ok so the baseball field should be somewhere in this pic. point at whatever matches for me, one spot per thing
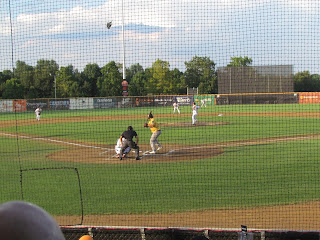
(256, 165)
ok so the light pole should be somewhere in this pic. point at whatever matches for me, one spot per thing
(123, 48)
(109, 24)
(55, 87)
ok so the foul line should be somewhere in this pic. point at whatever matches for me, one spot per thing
(53, 140)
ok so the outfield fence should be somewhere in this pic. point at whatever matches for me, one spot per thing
(22, 105)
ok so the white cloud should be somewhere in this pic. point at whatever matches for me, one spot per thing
(180, 29)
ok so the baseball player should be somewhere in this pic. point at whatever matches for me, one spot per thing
(176, 107)
(194, 113)
(203, 103)
(155, 130)
(38, 113)
(128, 135)
(118, 148)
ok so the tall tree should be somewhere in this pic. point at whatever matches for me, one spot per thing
(91, 73)
(44, 77)
(4, 76)
(160, 81)
(109, 84)
(13, 89)
(67, 84)
(137, 84)
(240, 61)
(133, 70)
(25, 73)
(305, 82)
(179, 86)
(200, 72)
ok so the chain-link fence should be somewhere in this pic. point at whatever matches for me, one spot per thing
(100, 233)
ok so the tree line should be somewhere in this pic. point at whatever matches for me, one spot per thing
(48, 80)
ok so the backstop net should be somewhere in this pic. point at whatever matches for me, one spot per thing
(241, 150)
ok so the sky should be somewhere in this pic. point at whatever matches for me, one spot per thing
(271, 32)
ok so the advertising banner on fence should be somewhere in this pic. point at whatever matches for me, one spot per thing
(81, 103)
(32, 104)
(144, 101)
(203, 100)
(59, 104)
(183, 100)
(6, 106)
(124, 102)
(162, 101)
(20, 105)
(104, 103)
(309, 97)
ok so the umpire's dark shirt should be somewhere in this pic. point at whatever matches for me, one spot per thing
(129, 135)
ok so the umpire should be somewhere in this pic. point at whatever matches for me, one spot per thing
(128, 135)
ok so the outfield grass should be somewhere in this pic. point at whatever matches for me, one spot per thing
(244, 176)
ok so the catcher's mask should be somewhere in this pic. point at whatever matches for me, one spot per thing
(130, 128)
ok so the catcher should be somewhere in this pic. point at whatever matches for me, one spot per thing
(128, 135)
(117, 148)
(155, 129)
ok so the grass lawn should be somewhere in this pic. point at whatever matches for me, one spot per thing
(243, 176)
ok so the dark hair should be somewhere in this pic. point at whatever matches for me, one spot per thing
(150, 115)
(130, 128)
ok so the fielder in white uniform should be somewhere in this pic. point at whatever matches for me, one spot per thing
(176, 107)
(194, 113)
(38, 112)
(203, 103)
(118, 148)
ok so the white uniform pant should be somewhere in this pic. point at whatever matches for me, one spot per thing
(154, 141)
(194, 120)
(174, 110)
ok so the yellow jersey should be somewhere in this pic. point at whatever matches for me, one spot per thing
(155, 125)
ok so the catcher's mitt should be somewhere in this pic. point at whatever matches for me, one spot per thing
(145, 125)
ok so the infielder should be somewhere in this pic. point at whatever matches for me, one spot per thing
(155, 130)
(194, 113)
(176, 107)
(117, 148)
(128, 135)
(203, 103)
(38, 113)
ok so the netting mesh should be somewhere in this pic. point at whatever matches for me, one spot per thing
(248, 154)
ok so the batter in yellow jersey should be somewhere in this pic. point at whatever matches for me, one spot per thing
(155, 130)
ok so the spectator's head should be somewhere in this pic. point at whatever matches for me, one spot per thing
(24, 221)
